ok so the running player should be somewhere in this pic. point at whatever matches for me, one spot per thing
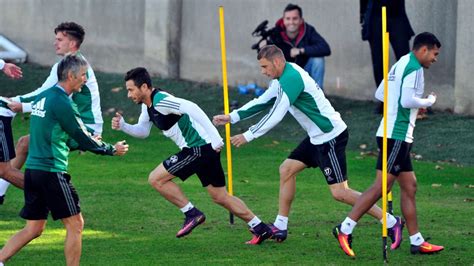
(406, 87)
(293, 90)
(189, 127)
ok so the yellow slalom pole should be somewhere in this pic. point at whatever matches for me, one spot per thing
(385, 43)
(226, 108)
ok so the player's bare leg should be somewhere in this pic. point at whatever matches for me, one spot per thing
(235, 205)
(32, 230)
(343, 193)
(12, 175)
(73, 244)
(161, 180)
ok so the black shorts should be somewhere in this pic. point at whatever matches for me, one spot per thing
(203, 161)
(7, 147)
(398, 156)
(330, 157)
(49, 191)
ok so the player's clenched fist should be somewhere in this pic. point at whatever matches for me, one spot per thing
(116, 120)
(121, 148)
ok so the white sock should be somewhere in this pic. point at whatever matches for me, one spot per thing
(281, 222)
(3, 187)
(417, 239)
(347, 226)
(1, 263)
(254, 222)
(187, 207)
(391, 220)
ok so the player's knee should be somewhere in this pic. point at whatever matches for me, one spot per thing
(410, 189)
(34, 231)
(285, 172)
(155, 181)
(22, 145)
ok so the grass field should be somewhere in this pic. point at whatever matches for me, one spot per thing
(127, 222)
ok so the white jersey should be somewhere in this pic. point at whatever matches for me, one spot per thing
(295, 91)
(183, 121)
(405, 89)
(87, 100)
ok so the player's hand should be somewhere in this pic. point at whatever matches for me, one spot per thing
(219, 120)
(121, 148)
(15, 107)
(238, 140)
(432, 96)
(116, 121)
(12, 71)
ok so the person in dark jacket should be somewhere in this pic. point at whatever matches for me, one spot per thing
(398, 27)
(301, 43)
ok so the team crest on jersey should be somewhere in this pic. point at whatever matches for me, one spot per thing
(38, 108)
(327, 171)
(173, 159)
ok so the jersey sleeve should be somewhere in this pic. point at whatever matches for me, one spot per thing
(27, 99)
(412, 91)
(141, 129)
(198, 115)
(72, 124)
(257, 105)
(272, 118)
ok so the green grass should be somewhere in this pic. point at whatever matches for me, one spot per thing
(127, 222)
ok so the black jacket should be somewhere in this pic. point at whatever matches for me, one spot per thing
(308, 38)
(397, 19)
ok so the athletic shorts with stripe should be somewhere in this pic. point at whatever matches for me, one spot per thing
(7, 147)
(49, 191)
(330, 157)
(203, 161)
(398, 156)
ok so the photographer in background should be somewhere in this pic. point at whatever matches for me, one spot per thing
(301, 43)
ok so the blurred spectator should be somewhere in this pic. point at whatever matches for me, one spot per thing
(301, 43)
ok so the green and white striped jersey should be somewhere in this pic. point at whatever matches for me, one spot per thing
(54, 120)
(181, 120)
(405, 89)
(295, 91)
(87, 100)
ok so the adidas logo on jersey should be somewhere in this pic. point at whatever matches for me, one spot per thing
(38, 108)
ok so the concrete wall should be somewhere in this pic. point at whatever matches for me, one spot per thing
(464, 95)
(120, 34)
(180, 38)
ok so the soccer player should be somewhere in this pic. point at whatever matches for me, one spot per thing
(293, 90)
(7, 149)
(48, 187)
(405, 87)
(68, 40)
(189, 127)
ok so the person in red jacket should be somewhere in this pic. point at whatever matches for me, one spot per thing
(301, 43)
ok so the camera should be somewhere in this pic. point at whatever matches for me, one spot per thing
(261, 31)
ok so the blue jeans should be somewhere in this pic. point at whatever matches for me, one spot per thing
(315, 68)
